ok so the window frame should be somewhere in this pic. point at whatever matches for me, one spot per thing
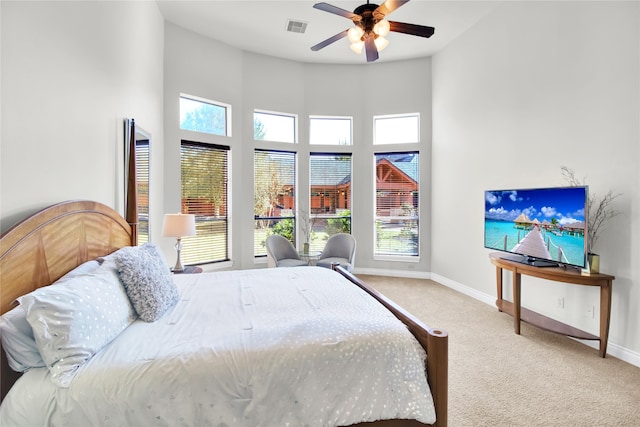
(397, 256)
(293, 193)
(227, 108)
(320, 117)
(282, 114)
(216, 217)
(376, 141)
(143, 178)
(348, 202)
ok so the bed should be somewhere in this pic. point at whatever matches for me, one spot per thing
(62, 238)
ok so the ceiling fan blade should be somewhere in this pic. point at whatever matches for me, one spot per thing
(413, 29)
(330, 40)
(389, 6)
(337, 11)
(370, 49)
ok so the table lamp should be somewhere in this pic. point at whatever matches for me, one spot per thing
(179, 225)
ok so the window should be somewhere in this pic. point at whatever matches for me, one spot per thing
(396, 129)
(330, 130)
(329, 197)
(204, 193)
(277, 127)
(274, 196)
(397, 208)
(201, 115)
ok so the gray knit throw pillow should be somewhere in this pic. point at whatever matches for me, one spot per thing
(147, 279)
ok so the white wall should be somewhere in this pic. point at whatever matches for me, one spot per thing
(71, 73)
(534, 86)
(207, 68)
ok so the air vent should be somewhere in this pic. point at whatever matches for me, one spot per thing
(296, 26)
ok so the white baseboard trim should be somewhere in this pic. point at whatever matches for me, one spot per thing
(409, 274)
(464, 289)
(616, 351)
(613, 349)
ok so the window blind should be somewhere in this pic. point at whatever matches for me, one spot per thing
(274, 196)
(397, 203)
(204, 194)
(329, 196)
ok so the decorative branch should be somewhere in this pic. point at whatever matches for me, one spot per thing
(306, 224)
(599, 210)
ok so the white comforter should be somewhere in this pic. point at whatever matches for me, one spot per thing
(276, 347)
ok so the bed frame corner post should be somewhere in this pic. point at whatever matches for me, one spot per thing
(438, 373)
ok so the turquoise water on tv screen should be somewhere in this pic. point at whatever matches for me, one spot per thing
(495, 232)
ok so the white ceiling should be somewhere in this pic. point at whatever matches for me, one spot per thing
(261, 26)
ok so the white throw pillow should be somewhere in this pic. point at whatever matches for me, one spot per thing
(74, 319)
(18, 341)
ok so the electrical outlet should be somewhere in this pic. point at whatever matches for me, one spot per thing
(590, 312)
(560, 302)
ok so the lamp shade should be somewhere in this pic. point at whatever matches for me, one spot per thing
(179, 225)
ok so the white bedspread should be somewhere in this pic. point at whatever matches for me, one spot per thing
(270, 347)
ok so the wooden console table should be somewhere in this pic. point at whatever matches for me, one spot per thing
(558, 274)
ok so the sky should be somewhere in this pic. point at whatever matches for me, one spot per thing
(566, 204)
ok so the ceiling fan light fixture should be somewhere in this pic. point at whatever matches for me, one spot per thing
(355, 34)
(381, 43)
(357, 47)
(382, 28)
(370, 27)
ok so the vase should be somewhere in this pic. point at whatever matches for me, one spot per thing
(305, 248)
(594, 263)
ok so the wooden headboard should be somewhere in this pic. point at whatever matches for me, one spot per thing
(42, 248)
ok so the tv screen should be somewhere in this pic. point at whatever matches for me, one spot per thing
(545, 226)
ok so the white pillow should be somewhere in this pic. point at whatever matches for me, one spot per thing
(147, 278)
(84, 268)
(74, 319)
(18, 341)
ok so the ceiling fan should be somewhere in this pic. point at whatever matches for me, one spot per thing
(371, 27)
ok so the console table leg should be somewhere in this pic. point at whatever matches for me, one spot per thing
(499, 284)
(516, 301)
(605, 315)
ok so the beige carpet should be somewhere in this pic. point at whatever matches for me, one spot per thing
(499, 378)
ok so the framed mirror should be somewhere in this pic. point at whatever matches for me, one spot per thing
(141, 171)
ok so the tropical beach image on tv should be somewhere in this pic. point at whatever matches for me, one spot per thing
(546, 225)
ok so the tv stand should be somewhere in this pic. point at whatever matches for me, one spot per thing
(558, 274)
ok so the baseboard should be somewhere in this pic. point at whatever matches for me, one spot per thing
(464, 289)
(408, 274)
(616, 351)
(613, 349)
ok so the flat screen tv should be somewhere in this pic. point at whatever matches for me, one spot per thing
(543, 227)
